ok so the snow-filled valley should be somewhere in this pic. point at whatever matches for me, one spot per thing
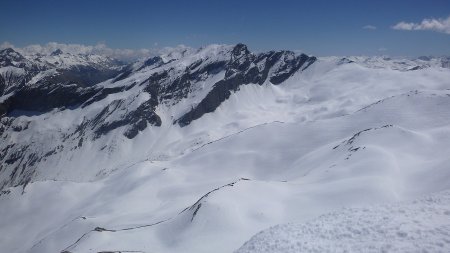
(200, 150)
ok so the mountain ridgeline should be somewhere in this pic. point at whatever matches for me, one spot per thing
(102, 95)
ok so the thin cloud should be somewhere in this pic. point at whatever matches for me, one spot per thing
(100, 49)
(369, 27)
(438, 25)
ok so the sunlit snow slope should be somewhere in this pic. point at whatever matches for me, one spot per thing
(227, 151)
(421, 225)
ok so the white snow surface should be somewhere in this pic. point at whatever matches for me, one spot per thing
(422, 225)
(334, 136)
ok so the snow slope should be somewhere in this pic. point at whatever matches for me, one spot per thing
(275, 173)
(421, 225)
(335, 134)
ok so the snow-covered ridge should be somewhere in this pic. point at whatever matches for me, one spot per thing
(395, 63)
(18, 71)
(212, 145)
(57, 59)
(421, 225)
(173, 89)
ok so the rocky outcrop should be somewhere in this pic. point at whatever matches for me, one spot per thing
(245, 68)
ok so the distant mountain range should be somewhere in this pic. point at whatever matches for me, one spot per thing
(195, 150)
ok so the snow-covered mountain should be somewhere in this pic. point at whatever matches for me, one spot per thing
(198, 150)
(18, 71)
(395, 63)
(165, 92)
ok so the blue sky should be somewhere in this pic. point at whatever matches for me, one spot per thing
(315, 27)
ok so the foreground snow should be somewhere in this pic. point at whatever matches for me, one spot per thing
(422, 225)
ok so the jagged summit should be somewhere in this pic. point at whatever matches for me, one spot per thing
(9, 57)
(239, 50)
(9, 52)
(57, 52)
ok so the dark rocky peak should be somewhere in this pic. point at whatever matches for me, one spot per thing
(240, 50)
(10, 52)
(2, 88)
(416, 68)
(241, 59)
(289, 65)
(155, 62)
(424, 58)
(8, 56)
(344, 61)
(6, 51)
(57, 52)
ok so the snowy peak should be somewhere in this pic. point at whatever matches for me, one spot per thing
(395, 63)
(56, 52)
(19, 72)
(60, 60)
(9, 57)
(239, 50)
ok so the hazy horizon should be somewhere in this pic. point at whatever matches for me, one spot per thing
(321, 28)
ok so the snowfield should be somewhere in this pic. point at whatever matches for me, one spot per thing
(350, 157)
(421, 225)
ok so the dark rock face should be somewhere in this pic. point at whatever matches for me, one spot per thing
(139, 118)
(136, 120)
(344, 61)
(56, 52)
(126, 72)
(221, 92)
(152, 62)
(8, 57)
(415, 68)
(17, 160)
(12, 81)
(44, 98)
(2, 85)
(243, 69)
(290, 66)
(161, 85)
